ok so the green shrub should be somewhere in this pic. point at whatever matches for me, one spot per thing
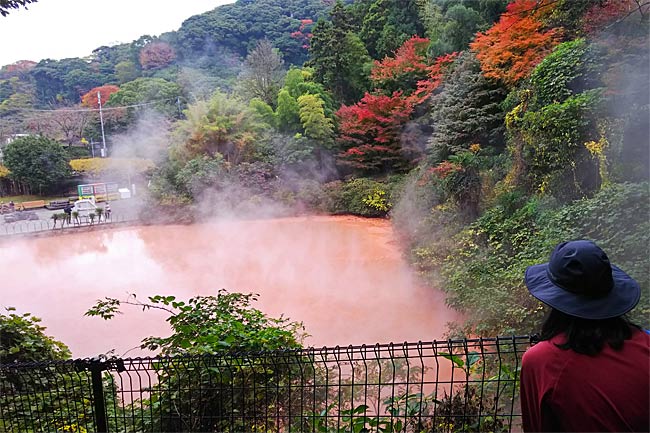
(226, 325)
(47, 397)
(199, 174)
(617, 219)
(571, 68)
(311, 194)
(363, 197)
(22, 339)
(554, 148)
(482, 270)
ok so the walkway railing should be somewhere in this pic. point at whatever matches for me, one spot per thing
(438, 386)
(33, 226)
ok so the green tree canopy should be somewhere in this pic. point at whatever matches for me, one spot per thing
(314, 122)
(339, 58)
(36, 161)
(387, 24)
(231, 30)
(288, 112)
(451, 24)
(156, 92)
(61, 82)
(264, 110)
(223, 125)
(200, 174)
(300, 81)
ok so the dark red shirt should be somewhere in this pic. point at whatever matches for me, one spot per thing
(562, 390)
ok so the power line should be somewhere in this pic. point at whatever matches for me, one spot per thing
(104, 108)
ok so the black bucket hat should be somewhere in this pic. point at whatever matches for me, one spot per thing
(580, 281)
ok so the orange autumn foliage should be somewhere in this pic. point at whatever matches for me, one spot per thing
(510, 49)
(410, 58)
(90, 99)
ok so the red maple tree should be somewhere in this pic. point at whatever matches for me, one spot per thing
(408, 63)
(156, 55)
(410, 71)
(90, 98)
(444, 169)
(371, 129)
(510, 49)
(435, 74)
(602, 14)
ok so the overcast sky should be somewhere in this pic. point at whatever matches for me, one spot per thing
(60, 29)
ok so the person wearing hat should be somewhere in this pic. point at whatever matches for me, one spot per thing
(591, 369)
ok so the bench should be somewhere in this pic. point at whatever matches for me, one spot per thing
(57, 204)
(31, 204)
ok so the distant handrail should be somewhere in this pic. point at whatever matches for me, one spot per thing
(23, 227)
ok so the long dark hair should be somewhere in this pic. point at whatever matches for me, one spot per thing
(587, 336)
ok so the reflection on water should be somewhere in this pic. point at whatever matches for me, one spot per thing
(343, 277)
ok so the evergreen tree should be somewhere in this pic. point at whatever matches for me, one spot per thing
(339, 58)
(468, 111)
(387, 24)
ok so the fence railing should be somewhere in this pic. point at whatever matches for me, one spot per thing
(438, 386)
(33, 226)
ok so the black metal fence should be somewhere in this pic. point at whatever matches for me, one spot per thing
(438, 386)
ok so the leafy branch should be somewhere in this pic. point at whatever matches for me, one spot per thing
(210, 324)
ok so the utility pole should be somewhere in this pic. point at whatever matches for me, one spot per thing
(101, 121)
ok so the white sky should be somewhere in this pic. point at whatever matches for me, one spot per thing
(60, 29)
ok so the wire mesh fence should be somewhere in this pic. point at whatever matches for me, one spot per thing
(438, 386)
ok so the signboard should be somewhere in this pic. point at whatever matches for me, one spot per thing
(99, 191)
(85, 190)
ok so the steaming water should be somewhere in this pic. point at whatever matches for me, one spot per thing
(344, 277)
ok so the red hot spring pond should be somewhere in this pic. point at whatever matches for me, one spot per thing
(343, 277)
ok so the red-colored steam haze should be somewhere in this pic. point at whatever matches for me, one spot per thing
(344, 277)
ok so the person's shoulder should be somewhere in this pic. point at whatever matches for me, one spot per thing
(540, 352)
(641, 336)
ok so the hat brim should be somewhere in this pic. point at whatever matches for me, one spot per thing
(621, 299)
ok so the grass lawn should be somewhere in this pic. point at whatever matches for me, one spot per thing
(21, 198)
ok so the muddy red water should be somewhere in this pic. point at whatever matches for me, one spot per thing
(343, 277)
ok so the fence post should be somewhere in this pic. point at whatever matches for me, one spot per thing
(96, 367)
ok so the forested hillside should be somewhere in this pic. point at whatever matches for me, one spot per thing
(487, 130)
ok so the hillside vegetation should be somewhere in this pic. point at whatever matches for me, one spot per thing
(487, 130)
